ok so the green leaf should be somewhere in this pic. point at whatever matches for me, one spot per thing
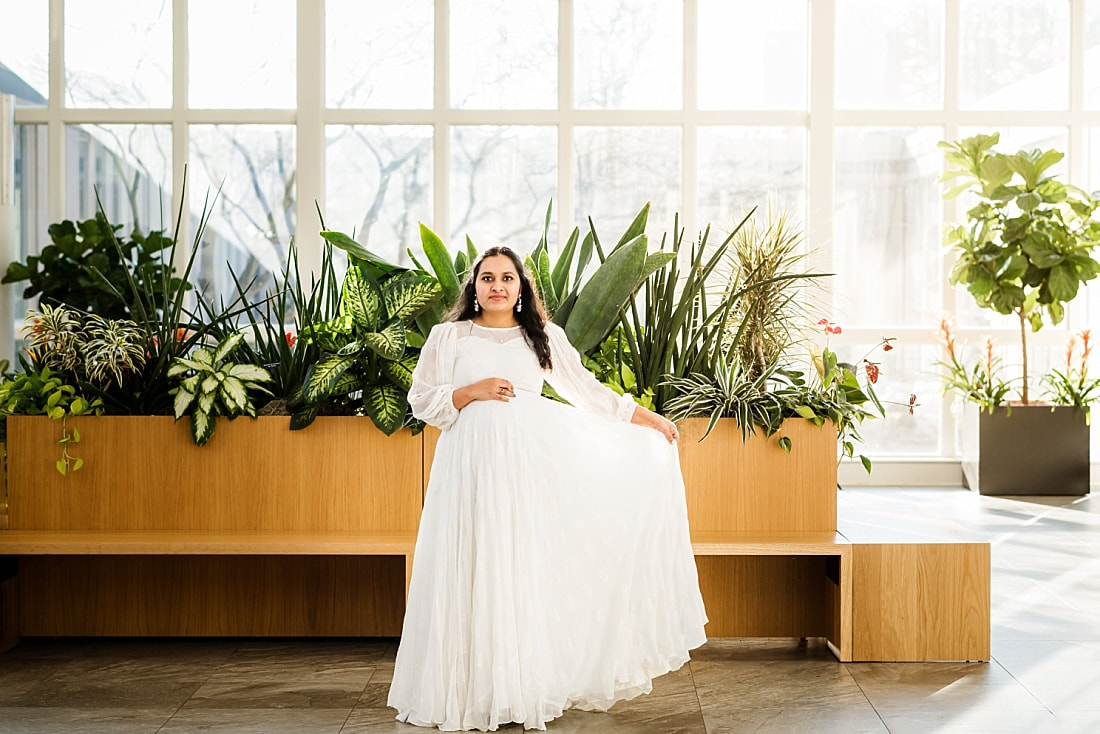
(1063, 282)
(805, 411)
(56, 413)
(636, 228)
(361, 300)
(249, 373)
(400, 371)
(202, 427)
(357, 251)
(203, 358)
(78, 463)
(234, 394)
(604, 295)
(323, 377)
(53, 400)
(226, 347)
(182, 401)
(209, 384)
(785, 444)
(389, 343)
(559, 276)
(386, 406)
(302, 418)
(76, 436)
(441, 263)
(866, 463)
(409, 295)
(62, 466)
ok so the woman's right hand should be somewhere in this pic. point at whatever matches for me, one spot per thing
(491, 388)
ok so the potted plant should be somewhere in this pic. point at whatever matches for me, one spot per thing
(1025, 248)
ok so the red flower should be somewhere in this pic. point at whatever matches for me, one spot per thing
(181, 334)
(872, 371)
(291, 340)
(887, 347)
(830, 327)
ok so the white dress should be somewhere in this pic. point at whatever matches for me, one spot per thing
(553, 566)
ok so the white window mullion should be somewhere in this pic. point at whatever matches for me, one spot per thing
(1078, 163)
(951, 77)
(310, 134)
(566, 169)
(441, 140)
(689, 163)
(181, 134)
(55, 127)
(822, 180)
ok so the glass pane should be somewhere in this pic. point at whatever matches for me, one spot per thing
(31, 205)
(1012, 140)
(769, 38)
(1092, 54)
(254, 214)
(504, 55)
(260, 69)
(1014, 55)
(743, 167)
(130, 166)
(379, 185)
(904, 371)
(888, 221)
(905, 40)
(619, 169)
(379, 53)
(118, 53)
(628, 54)
(25, 51)
(502, 179)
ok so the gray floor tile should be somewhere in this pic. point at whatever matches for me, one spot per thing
(256, 721)
(15, 720)
(234, 693)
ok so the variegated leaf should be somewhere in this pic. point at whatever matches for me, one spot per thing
(226, 347)
(182, 401)
(203, 356)
(206, 402)
(234, 394)
(181, 365)
(202, 427)
(400, 371)
(361, 300)
(323, 376)
(389, 343)
(409, 294)
(250, 373)
(350, 349)
(386, 406)
(210, 383)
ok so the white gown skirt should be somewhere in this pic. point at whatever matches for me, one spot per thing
(553, 569)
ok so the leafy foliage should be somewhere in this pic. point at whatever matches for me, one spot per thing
(85, 347)
(1028, 243)
(1072, 384)
(212, 386)
(85, 266)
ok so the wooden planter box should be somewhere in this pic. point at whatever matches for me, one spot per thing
(1028, 450)
(144, 474)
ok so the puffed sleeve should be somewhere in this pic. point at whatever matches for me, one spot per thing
(430, 394)
(572, 380)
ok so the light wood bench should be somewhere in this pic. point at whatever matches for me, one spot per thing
(121, 571)
(777, 585)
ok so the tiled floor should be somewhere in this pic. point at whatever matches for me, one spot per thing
(1045, 675)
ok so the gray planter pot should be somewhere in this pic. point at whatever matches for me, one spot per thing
(1028, 450)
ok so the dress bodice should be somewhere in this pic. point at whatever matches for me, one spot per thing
(484, 352)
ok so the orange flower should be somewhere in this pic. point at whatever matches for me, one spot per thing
(947, 336)
(181, 334)
(988, 364)
(1071, 346)
(291, 340)
(1086, 350)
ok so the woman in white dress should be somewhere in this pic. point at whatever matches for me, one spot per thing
(553, 566)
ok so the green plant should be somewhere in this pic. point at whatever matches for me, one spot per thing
(981, 384)
(767, 320)
(41, 391)
(211, 386)
(85, 347)
(1072, 385)
(372, 346)
(610, 366)
(85, 266)
(1028, 243)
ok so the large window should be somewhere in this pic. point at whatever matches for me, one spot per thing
(472, 115)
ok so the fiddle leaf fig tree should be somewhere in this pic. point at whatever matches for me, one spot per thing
(1027, 244)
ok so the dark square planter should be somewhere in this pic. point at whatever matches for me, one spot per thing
(1026, 450)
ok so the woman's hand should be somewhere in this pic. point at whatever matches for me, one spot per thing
(649, 419)
(491, 388)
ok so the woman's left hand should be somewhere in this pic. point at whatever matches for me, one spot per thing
(649, 419)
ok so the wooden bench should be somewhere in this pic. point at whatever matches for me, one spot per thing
(203, 582)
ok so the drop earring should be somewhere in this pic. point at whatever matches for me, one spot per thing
(477, 306)
(519, 304)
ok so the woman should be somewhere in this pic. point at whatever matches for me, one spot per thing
(553, 566)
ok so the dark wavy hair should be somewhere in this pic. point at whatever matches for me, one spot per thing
(532, 317)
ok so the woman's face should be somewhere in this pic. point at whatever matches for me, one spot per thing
(498, 285)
